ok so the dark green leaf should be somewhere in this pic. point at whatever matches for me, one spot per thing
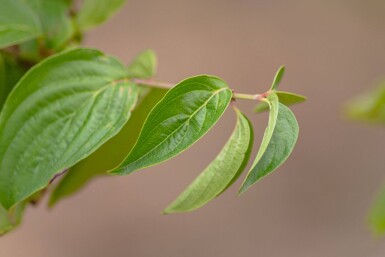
(225, 168)
(18, 23)
(181, 118)
(10, 73)
(277, 144)
(55, 21)
(95, 12)
(278, 77)
(61, 111)
(144, 65)
(110, 154)
(369, 107)
(285, 98)
(12, 218)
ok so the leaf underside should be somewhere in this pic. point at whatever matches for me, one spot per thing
(277, 144)
(221, 172)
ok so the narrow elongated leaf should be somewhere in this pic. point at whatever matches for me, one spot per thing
(224, 170)
(277, 144)
(110, 154)
(12, 218)
(278, 77)
(285, 98)
(95, 12)
(144, 65)
(181, 118)
(61, 111)
(377, 214)
(18, 23)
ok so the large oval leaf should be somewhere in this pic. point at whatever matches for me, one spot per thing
(62, 110)
(277, 144)
(109, 155)
(180, 119)
(224, 170)
(18, 23)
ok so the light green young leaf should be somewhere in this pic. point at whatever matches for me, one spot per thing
(144, 65)
(18, 23)
(110, 154)
(95, 12)
(377, 214)
(182, 117)
(224, 170)
(285, 98)
(277, 144)
(12, 218)
(278, 77)
(62, 110)
(369, 107)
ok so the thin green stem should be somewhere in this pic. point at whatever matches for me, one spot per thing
(166, 85)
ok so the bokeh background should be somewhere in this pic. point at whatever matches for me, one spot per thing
(315, 205)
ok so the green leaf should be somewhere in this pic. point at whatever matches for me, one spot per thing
(278, 77)
(95, 12)
(18, 23)
(55, 20)
(182, 117)
(369, 107)
(278, 142)
(285, 98)
(61, 111)
(12, 218)
(10, 73)
(221, 173)
(377, 214)
(110, 154)
(144, 65)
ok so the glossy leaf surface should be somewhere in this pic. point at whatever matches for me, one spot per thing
(61, 111)
(95, 12)
(18, 23)
(277, 144)
(225, 168)
(181, 118)
(285, 98)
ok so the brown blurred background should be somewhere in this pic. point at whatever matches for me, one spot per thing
(314, 205)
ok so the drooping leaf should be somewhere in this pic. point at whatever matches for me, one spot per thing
(10, 73)
(224, 170)
(61, 111)
(377, 214)
(278, 77)
(277, 144)
(55, 20)
(181, 118)
(9, 220)
(369, 107)
(108, 155)
(95, 12)
(144, 65)
(18, 23)
(285, 98)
